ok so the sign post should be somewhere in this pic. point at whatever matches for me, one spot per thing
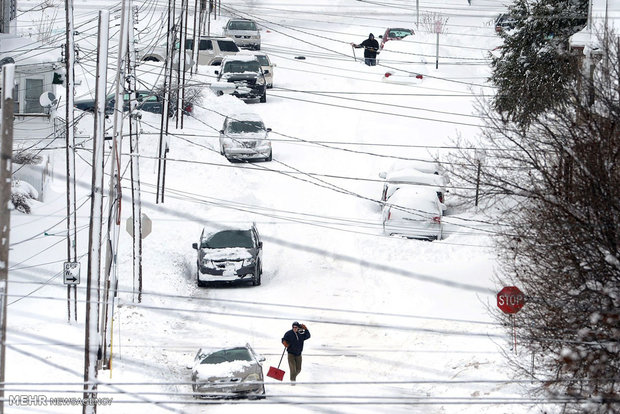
(510, 300)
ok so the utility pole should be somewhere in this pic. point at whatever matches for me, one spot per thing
(196, 37)
(92, 344)
(163, 142)
(136, 203)
(114, 201)
(6, 160)
(70, 152)
(182, 89)
(181, 67)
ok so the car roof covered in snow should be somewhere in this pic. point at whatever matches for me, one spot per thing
(245, 116)
(411, 175)
(243, 57)
(210, 229)
(413, 195)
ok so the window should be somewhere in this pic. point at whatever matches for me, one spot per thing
(205, 45)
(34, 89)
(227, 46)
(264, 60)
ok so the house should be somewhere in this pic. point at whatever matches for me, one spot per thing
(38, 82)
(604, 15)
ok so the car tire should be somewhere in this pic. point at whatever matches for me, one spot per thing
(270, 157)
(263, 97)
(256, 277)
(199, 282)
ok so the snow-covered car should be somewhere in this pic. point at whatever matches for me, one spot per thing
(267, 66)
(401, 61)
(232, 255)
(244, 32)
(246, 73)
(415, 212)
(394, 33)
(504, 22)
(399, 178)
(228, 373)
(212, 49)
(157, 53)
(244, 137)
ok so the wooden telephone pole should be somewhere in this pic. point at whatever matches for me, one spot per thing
(6, 157)
(92, 344)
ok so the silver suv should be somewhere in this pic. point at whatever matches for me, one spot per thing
(244, 32)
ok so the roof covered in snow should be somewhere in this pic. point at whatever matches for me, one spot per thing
(27, 51)
(604, 14)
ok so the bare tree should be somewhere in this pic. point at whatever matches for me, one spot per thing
(559, 180)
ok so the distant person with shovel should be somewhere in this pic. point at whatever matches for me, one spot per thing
(371, 46)
(293, 341)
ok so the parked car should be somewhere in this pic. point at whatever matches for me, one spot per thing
(212, 49)
(414, 212)
(232, 255)
(246, 73)
(402, 61)
(394, 33)
(147, 101)
(504, 22)
(228, 373)
(244, 32)
(244, 137)
(267, 67)
(157, 53)
(396, 179)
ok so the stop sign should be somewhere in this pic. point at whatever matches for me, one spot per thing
(510, 299)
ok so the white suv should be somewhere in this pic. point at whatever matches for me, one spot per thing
(244, 32)
(212, 49)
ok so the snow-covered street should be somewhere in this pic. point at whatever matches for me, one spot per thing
(398, 325)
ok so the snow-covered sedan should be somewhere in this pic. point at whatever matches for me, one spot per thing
(414, 212)
(244, 137)
(228, 373)
(232, 255)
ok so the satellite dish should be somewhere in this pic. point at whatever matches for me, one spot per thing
(48, 99)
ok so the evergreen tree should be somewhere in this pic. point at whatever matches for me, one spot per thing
(535, 67)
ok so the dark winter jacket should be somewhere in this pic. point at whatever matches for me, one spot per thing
(295, 341)
(370, 48)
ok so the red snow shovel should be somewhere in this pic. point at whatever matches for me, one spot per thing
(277, 373)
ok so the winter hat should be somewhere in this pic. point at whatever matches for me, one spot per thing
(371, 35)
(297, 324)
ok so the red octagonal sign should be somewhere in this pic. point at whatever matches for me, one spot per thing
(510, 299)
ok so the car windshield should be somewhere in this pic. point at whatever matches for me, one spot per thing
(240, 66)
(237, 127)
(229, 238)
(227, 46)
(241, 25)
(227, 355)
(399, 33)
(263, 60)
